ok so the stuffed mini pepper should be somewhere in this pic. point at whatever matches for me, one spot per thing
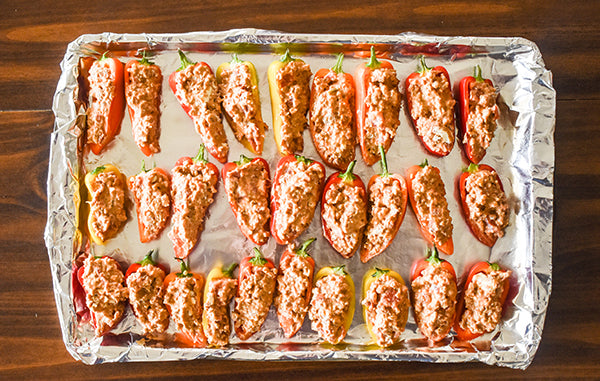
(220, 289)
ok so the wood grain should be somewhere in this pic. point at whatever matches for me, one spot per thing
(33, 39)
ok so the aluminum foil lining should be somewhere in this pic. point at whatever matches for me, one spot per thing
(522, 152)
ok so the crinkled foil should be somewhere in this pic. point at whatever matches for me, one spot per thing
(522, 152)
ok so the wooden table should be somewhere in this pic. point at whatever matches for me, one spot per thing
(33, 39)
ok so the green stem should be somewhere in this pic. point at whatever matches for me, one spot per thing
(243, 160)
(201, 157)
(235, 59)
(185, 269)
(303, 160)
(337, 68)
(144, 60)
(258, 259)
(348, 175)
(424, 164)
(494, 266)
(98, 170)
(434, 257)
(185, 62)
(472, 168)
(373, 62)
(148, 258)
(424, 66)
(301, 252)
(477, 74)
(286, 57)
(384, 167)
(379, 272)
(340, 270)
(228, 271)
(104, 56)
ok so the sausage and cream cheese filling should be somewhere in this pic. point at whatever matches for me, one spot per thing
(432, 109)
(101, 94)
(293, 82)
(483, 305)
(255, 296)
(247, 187)
(143, 98)
(487, 203)
(192, 189)
(216, 310)
(345, 215)
(196, 87)
(387, 303)
(385, 207)
(107, 205)
(382, 105)
(242, 106)
(431, 204)
(329, 307)
(152, 192)
(481, 120)
(184, 299)
(297, 193)
(146, 294)
(105, 295)
(332, 119)
(293, 287)
(434, 301)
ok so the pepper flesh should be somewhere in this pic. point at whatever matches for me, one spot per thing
(217, 272)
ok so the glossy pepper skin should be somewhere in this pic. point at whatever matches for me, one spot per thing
(448, 246)
(480, 267)
(255, 146)
(246, 265)
(409, 80)
(352, 180)
(217, 272)
(277, 99)
(178, 244)
(275, 198)
(363, 78)
(89, 177)
(340, 270)
(186, 338)
(147, 260)
(464, 89)
(145, 235)
(227, 168)
(365, 254)
(333, 74)
(117, 106)
(370, 277)
(482, 236)
(221, 156)
(146, 149)
(288, 326)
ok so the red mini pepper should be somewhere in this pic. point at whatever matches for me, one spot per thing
(147, 260)
(335, 74)
(116, 109)
(363, 79)
(353, 181)
(227, 168)
(217, 146)
(409, 80)
(146, 234)
(178, 244)
(275, 197)
(483, 237)
(464, 97)
(433, 259)
(366, 255)
(448, 246)
(153, 73)
(479, 267)
(246, 265)
(288, 325)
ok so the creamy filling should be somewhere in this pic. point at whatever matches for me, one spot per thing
(101, 95)
(184, 299)
(216, 310)
(107, 205)
(255, 296)
(152, 193)
(146, 294)
(329, 307)
(487, 203)
(483, 304)
(293, 287)
(481, 119)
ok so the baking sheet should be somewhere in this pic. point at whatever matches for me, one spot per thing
(522, 152)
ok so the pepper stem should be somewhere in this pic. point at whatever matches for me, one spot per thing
(258, 259)
(228, 271)
(185, 269)
(379, 272)
(472, 168)
(98, 170)
(185, 62)
(494, 266)
(104, 56)
(337, 68)
(434, 257)
(286, 57)
(301, 252)
(147, 260)
(424, 66)
(424, 164)
(373, 62)
(144, 60)
(383, 161)
(303, 160)
(348, 175)
(339, 270)
(243, 160)
(201, 156)
(235, 59)
(477, 73)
